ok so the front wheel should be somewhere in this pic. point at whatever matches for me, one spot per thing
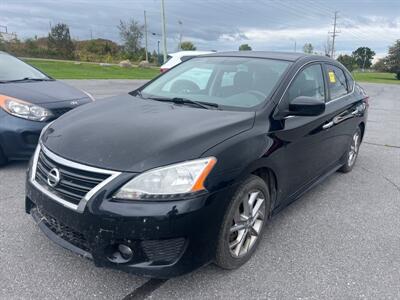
(243, 223)
(352, 152)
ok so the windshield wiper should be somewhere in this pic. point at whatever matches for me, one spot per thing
(180, 100)
(26, 79)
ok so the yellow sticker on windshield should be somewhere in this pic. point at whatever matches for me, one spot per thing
(332, 77)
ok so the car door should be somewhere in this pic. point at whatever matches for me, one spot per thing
(302, 159)
(342, 109)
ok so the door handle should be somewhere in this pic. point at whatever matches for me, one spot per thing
(328, 125)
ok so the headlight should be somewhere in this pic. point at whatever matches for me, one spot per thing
(181, 178)
(23, 109)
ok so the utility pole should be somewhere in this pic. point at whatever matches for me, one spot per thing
(295, 46)
(334, 34)
(164, 34)
(91, 34)
(145, 36)
(180, 34)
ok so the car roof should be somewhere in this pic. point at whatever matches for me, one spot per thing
(289, 56)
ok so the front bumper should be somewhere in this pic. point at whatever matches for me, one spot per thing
(18, 137)
(167, 238)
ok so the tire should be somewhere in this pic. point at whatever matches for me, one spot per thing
(352, 152)
(3, 158)
(235, 248)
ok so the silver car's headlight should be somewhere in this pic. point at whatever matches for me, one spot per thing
(181, 178)
(23, 109)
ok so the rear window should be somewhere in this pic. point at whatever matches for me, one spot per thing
(186, 57)
(350, 82)
(336, 81)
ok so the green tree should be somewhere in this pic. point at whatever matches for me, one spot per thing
(363, 57)
(2, 43)
(308, 48)
(60, 40)
(131, 33)
(154, 57)
(31, 44)
(187, 46)
(244, 47)
(348, 61)
(393, 59)
(381, 65)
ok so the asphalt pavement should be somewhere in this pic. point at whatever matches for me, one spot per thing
(339, 241)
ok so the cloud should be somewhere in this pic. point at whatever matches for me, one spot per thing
(217, 24)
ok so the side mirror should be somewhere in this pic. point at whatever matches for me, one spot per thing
(306, 106)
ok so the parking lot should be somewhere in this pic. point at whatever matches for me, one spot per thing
(341, 240)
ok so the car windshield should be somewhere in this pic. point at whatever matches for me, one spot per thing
(240, 82)
(12, 69)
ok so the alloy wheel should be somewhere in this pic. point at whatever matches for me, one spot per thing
(247, 224)
(354, 147)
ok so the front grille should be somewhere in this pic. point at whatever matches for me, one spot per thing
(74, 183)
(63, 231)
(163, 250)
(57, 112)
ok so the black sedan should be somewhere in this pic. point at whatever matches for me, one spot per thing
(29, 100)
(188, 169)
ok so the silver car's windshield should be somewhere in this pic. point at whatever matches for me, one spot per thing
(12, 69)
(241, 82)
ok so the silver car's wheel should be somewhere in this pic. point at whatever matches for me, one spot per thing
(247, 223)
(243, 223)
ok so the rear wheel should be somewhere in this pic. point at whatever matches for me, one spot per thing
(352, 152)
(243, 223)
(3, 158)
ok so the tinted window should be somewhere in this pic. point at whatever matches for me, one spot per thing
(227, 78)
(12, 68)
(183, 58)
(227, 81)
(336, 81)
(197, 77)
(350, 81)
(309, 83)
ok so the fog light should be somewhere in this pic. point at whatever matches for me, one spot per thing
(126, 252)
(121, 254)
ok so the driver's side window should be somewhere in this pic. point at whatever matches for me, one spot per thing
(309, 83)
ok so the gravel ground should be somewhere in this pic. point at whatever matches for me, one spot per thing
(340, 241)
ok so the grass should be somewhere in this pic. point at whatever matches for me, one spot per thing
(376, 77)
(71, 70)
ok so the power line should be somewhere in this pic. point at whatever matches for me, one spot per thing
(362, 34)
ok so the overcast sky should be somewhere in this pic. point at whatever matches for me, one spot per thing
(218, 25)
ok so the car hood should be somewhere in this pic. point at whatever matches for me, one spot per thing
(41, 92)
(130, 134)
